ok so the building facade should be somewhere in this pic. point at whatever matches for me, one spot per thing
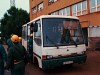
(88, 11)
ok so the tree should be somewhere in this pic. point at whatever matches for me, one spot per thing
(12, 22)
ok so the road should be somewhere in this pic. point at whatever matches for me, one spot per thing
(91, 67)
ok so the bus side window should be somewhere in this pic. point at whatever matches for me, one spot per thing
(25, 32)
(37, 35)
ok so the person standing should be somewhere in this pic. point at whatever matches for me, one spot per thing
(9, 42)
(3, 58)
(20, 40)
(30, 44)
(16, 56)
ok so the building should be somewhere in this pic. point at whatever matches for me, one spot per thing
(88, 12)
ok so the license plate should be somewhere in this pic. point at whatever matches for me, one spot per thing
(68, 62)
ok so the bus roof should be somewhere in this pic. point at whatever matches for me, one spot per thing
(53, 16)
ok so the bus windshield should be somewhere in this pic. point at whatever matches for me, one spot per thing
(61, 32)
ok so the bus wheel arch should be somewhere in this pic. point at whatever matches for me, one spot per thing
(35, 60)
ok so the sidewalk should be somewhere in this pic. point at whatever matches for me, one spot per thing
(8, 73)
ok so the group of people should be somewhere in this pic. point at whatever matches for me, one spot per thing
(16, 56)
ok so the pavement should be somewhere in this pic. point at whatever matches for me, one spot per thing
(9, 73)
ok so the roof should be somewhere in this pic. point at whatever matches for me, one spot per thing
(53, 16)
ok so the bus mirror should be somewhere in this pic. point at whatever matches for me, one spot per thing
(35, 27)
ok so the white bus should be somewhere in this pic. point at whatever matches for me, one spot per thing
(57, 40)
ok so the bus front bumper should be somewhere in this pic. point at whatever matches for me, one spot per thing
(51, 63)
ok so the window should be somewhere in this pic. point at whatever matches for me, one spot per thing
(61, 12)
(54, 13)
(55, 0)
(98, 5)
(40, 6)
(94, 5)
(51, 1)
(74, 10)
(66, 11)
(24, 32)
(65, 31)
(34, 9)
(79, 8)
(28, 30)
(84, 7)
(37, 35)
(98, 2)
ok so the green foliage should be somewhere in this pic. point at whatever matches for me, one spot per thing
(12, 22)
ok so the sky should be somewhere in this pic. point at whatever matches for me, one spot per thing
(5, 5)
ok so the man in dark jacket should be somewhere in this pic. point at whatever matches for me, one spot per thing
(3, 57)
(9, 42)
(16, 57)
(30, 45)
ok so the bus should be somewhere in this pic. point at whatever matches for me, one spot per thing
(57, 40)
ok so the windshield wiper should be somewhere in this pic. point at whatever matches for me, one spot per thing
(52, 42)
(73, 41)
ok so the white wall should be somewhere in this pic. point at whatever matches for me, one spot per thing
(94, 31)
